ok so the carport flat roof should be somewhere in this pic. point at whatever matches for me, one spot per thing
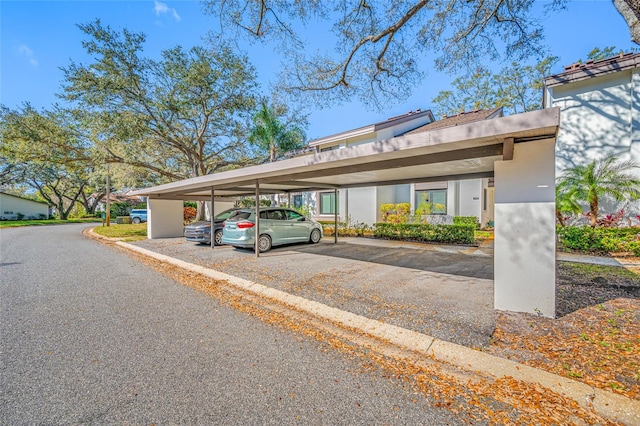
(463, 152)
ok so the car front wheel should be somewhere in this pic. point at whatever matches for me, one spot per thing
(136, 220)
(218, 237)
(315, 236)
(264, 243)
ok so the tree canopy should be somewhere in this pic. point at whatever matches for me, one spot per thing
(517, 88)
(376, 43)
(42, 150)
(185, 114)
(272, 132)
(181, 116)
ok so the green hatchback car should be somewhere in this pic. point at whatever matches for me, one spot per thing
(277, 226)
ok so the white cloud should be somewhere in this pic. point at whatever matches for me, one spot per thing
(162, 8)
(25, 51)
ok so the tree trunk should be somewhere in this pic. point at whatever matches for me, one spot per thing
(593, 213)
(272, 153)
(630, 11)
(90, 207)
(200, 211)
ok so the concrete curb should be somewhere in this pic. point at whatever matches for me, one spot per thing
(608, 404)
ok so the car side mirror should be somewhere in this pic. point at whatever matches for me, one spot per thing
(302, 219)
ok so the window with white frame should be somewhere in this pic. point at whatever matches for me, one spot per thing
(328, 203)
(431, 201)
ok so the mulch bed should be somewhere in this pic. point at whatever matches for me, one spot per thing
(595, 337)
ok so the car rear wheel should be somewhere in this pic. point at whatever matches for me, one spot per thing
(315, 236)
(218, 237)
(264, 243)
(136, 220)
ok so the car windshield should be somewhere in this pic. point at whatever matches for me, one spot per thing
(225, 214)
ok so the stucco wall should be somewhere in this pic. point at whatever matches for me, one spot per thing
(362, 205)
(470, 202)
(165, 218)
(599, 118)
(524, 256)
(11, 206)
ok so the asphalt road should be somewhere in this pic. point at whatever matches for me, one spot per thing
(89, 335)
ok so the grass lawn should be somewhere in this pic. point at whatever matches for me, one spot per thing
(16, 223)
(483, 235)
(127, 232)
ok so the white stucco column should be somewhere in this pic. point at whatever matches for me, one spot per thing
(525, 248)
(164, 218)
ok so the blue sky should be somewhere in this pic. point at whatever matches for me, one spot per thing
(39, 37)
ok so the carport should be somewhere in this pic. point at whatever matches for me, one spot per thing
(518, 151)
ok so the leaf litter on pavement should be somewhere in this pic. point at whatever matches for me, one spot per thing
(473, 397)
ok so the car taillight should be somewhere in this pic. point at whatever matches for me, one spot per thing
(244, 225)
(224, 223)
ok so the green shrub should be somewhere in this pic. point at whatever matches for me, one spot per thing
(599, 240)
(467, 220)
(346, 228)
(459, 234)
(119, 208)
(395, 213)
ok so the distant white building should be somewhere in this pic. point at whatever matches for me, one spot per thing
(13, 207)
(599, 110)
(455, 197)
(599, 105)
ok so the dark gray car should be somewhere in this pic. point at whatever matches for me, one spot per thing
(200, 232)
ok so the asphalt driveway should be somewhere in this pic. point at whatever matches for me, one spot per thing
(445, 293)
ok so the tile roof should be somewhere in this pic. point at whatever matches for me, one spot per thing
(582, 71)
(461, 118)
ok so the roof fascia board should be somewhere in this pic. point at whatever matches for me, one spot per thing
(415, 160)
(24, 199)
(343, 136)
(585, 73)
(372, 128)
(481, 133)
(403, 119)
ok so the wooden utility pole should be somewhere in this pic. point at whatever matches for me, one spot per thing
(108, 211)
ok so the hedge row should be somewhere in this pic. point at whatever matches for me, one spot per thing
(466, 220)
(459, 234)
(600, 240)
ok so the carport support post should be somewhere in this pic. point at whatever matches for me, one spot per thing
(335, 216)
(211, 218)
(525, 239)
(257, 230)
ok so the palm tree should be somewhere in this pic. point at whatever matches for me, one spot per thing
(598, 179)
(566, 203)
(272, 135)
